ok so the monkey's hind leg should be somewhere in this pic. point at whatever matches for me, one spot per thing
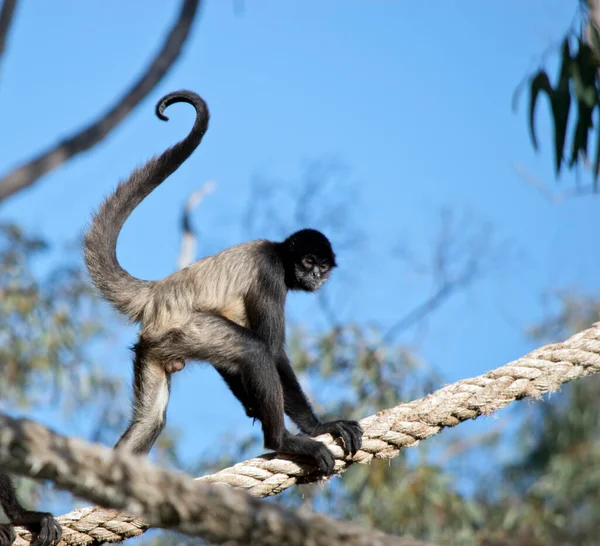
(151, 391)
(242, 353)
(7, 534)
(44, 528)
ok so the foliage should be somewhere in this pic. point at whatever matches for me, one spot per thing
(50, 324)
(546, 494)
(46, 324)
(578, 83)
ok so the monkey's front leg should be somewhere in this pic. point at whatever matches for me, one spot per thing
(300, 411)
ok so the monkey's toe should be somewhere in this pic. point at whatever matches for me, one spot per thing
(7, 534)
(50, 532)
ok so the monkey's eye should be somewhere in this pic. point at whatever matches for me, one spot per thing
(308, 262)
(323, 267)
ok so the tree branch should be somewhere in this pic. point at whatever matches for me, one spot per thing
(459, 258)
(28, 173)
(593, 7)
(189, 237)
(169, 499)
(385, 433)
(6, 15)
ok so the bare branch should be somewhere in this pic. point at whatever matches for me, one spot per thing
(28, 173)
(593, 7)
(322, 198)
(6, 15)
(460, 256)
(543, 188)
(419, 312)
(189, 238)
(168, 499)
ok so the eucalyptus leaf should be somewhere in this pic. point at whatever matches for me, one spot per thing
(539, 83)
(561, 104)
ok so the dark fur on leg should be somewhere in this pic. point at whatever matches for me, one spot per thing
(42, 525)
(244, 358)
(300, 411)
(7, 534)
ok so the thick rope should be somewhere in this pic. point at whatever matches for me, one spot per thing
(385, 433)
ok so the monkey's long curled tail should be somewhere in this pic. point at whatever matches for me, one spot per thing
(126, 293)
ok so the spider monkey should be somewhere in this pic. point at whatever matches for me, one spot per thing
(45, 529)
(226, 309)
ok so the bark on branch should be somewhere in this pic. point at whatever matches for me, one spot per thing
(6, 15)
(189, 238)
(28, 173)
(169, 499)
(385, 433)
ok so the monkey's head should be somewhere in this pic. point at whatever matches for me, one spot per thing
(309, 260)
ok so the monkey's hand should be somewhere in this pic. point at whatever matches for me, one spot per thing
(317, 453)
(44, 528)
(349, 431)
(7, 534)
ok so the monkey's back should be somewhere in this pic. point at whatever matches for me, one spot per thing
(217, 284)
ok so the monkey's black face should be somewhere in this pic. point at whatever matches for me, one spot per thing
(311, 260)
(311, 272)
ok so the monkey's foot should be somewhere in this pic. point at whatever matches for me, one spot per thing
(45, 529)
(7, 534)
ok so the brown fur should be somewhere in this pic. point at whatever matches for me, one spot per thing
(216, 284)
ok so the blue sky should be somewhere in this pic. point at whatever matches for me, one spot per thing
(413, 98)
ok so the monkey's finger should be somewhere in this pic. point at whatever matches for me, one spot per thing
(357, 433)
(325, 460)
(350, 442)
(345, 436)
(50, 532)
(57, 532)
(354, 425)
(354, 432)
(355, 441)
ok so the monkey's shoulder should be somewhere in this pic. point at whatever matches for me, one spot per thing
(241, 264)
(242, 254)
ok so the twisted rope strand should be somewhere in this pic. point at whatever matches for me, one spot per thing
(385, 433)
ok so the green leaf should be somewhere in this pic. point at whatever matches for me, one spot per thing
(584, 72)
(597, 161)
(580, 140)
(561, 104)
(540, 82)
